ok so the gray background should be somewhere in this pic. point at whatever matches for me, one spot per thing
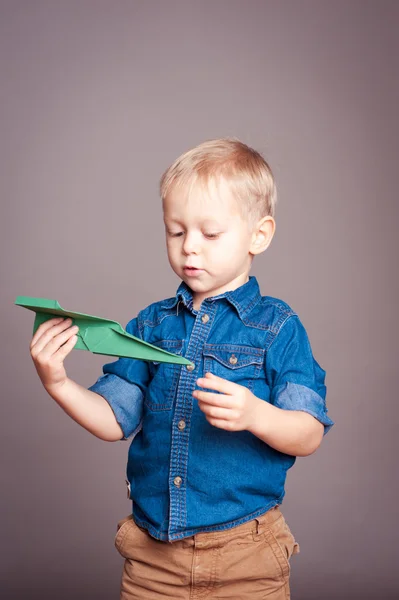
(97, 99)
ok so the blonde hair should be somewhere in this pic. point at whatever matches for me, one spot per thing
(243, 168)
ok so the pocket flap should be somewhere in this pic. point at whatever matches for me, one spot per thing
(233, 356)
(174, 346)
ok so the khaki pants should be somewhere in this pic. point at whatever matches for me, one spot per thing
(249, 561)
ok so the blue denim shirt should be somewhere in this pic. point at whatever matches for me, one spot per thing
(186, 475)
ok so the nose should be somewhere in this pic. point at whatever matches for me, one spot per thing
(190, 244)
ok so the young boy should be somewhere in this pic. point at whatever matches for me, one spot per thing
(212, 442)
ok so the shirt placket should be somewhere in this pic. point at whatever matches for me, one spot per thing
(181, 423)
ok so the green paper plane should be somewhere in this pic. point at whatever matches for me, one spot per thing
(98, 335)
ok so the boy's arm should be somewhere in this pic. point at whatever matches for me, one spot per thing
(236, 408)
(293, 432)
(88, 409)
(123, 386)
(50, 345)
(296, 419)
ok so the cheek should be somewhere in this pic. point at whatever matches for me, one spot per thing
(169, 244)
(172, 250)
(231, 246)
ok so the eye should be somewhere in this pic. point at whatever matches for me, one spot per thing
(175, 234)
(212, 236)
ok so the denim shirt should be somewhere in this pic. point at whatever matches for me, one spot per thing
(185, 475)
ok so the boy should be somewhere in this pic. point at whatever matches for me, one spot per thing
(211, 442)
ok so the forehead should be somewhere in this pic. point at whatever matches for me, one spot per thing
(210, 203)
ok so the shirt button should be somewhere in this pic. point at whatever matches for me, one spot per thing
(190, 367)
(233, 359)
(181, 425)
(177, 481)
(205, 318)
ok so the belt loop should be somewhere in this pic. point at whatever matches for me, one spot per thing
(257, 532)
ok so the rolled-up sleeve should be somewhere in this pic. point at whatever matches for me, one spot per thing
(295, 378)
(123, 385)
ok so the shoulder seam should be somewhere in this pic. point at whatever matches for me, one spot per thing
(283, 307)
(289, 316)
(140, 324)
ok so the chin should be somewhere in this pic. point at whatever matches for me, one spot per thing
(193, 283)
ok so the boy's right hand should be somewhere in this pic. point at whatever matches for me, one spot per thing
(51, 343)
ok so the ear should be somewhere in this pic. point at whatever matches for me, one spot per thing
(262, 235)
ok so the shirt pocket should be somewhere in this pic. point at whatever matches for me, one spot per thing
(164, 378)
(239, 364)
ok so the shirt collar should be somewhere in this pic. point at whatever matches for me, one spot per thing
(242, 298)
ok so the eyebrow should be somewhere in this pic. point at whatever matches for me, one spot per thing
(205, 222)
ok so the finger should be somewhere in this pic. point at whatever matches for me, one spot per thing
(214, 399)
(66, 348)
(49, 334)
(215, 412)
(58, 341)
(47, 329)
(219, 384)
(222, 424)
(44, 327)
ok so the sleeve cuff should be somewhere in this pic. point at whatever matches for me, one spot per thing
(125, 399)
(293, 396)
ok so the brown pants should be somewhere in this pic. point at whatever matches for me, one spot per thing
(249, 561)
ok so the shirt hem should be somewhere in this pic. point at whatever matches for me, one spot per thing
(164, 537)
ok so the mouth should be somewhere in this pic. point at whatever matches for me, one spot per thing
(192, 270)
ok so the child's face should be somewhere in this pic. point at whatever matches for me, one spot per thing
(206, 230)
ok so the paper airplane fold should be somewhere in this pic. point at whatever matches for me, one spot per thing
(98, 335)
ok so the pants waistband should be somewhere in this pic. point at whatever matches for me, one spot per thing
(213, 538)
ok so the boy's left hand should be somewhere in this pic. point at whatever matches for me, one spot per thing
(234, 409)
